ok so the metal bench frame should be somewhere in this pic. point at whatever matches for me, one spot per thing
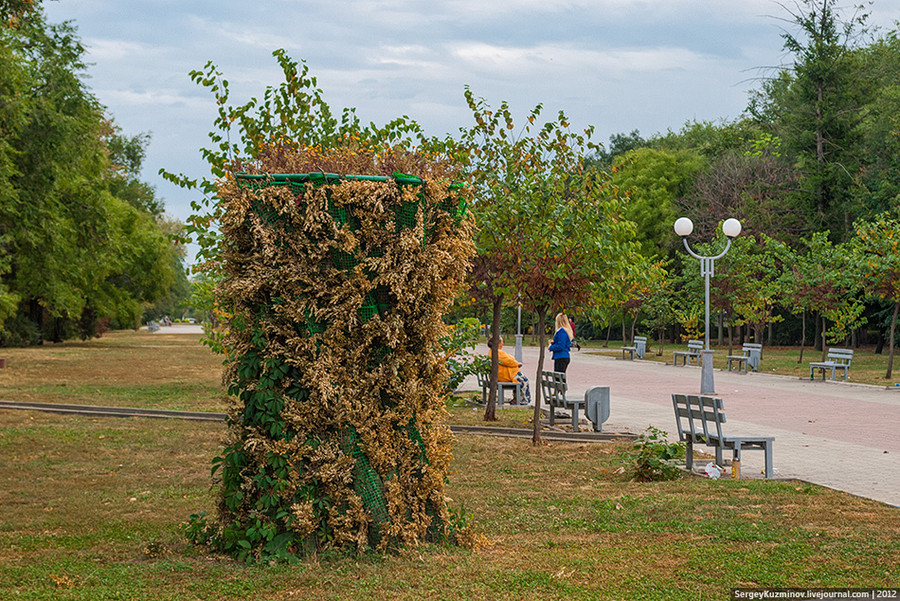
(743, 361)
(553, 390)
(693, 352)
(639, 348)
(839, 358)
(484, 380)
(699, 419)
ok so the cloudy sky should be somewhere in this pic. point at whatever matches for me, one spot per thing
(619, 65)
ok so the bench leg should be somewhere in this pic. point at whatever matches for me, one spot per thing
(719, 456)
(552, 412)
(689, 456)
(574, 418)
(769, 469)
(736, 462)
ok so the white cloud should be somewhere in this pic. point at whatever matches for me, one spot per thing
(519, 61)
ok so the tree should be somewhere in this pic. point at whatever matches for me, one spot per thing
(815, 106)
(879, 179)
(877, 256)
(824, 284)
(751, 188)
(653, 180)
(71, 246)
(548, 227)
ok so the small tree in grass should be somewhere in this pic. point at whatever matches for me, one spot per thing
(548, 228)
(827, 284)
(876, 252)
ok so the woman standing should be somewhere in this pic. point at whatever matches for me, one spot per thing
(562, 342)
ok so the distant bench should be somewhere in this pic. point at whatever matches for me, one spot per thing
(692, 352)
(484, 380)
(699, 420)
(639, 348)
(596, 400)
(752, 354)
(838, 358)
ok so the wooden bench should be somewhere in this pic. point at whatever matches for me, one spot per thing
(699, 420)
(838, 358)
(692, 352)
(752, 354)
(484, 380)
(639, 348)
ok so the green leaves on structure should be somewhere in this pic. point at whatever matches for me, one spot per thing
(334, 292)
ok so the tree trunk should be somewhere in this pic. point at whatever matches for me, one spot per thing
(608, 333)
(36, 313)
(633, 324)
(818, 336)
(661, 337)
(623, 328)
(536, 432)
(720, 322)
(802, 335)
(730, 335)
(490, 411)
(824, 345)
(771, 334)
(893, 329)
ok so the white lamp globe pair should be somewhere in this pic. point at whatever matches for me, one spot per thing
(684, 227)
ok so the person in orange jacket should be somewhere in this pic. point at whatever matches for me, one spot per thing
(509, 371)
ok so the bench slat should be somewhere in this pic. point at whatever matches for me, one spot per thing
(699, 419)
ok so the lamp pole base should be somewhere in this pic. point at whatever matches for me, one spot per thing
(518, 353)
(707, 385)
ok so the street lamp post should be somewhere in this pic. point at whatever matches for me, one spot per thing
(731, 228)
(519, 332)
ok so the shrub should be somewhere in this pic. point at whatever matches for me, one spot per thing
(653, 457)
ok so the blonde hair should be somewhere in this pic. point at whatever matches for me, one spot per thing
(563, 322)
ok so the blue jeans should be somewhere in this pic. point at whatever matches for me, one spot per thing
(526, 392)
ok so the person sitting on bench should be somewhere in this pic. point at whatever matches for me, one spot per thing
(508, 371)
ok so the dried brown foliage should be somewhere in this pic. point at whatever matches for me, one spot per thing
(336, 292)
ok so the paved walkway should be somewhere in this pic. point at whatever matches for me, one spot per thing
(839, 435)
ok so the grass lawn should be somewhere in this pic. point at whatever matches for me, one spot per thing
(92, 507)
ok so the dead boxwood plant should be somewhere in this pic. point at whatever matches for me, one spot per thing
(336, 287)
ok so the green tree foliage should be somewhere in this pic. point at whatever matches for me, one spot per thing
(816, 106)
(549, 226)
(878, 259)
(753, 189)
(826, 283)
(653, 180)
(72, 248)
(879, 178)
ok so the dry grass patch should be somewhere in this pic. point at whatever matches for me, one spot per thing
(121, 369)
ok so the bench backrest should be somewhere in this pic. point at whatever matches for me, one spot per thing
(699, 418)
(695, 345)
(553, 385)
(840, 355)
(640, 339)
(753, 352)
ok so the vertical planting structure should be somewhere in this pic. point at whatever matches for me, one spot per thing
(335, 287)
